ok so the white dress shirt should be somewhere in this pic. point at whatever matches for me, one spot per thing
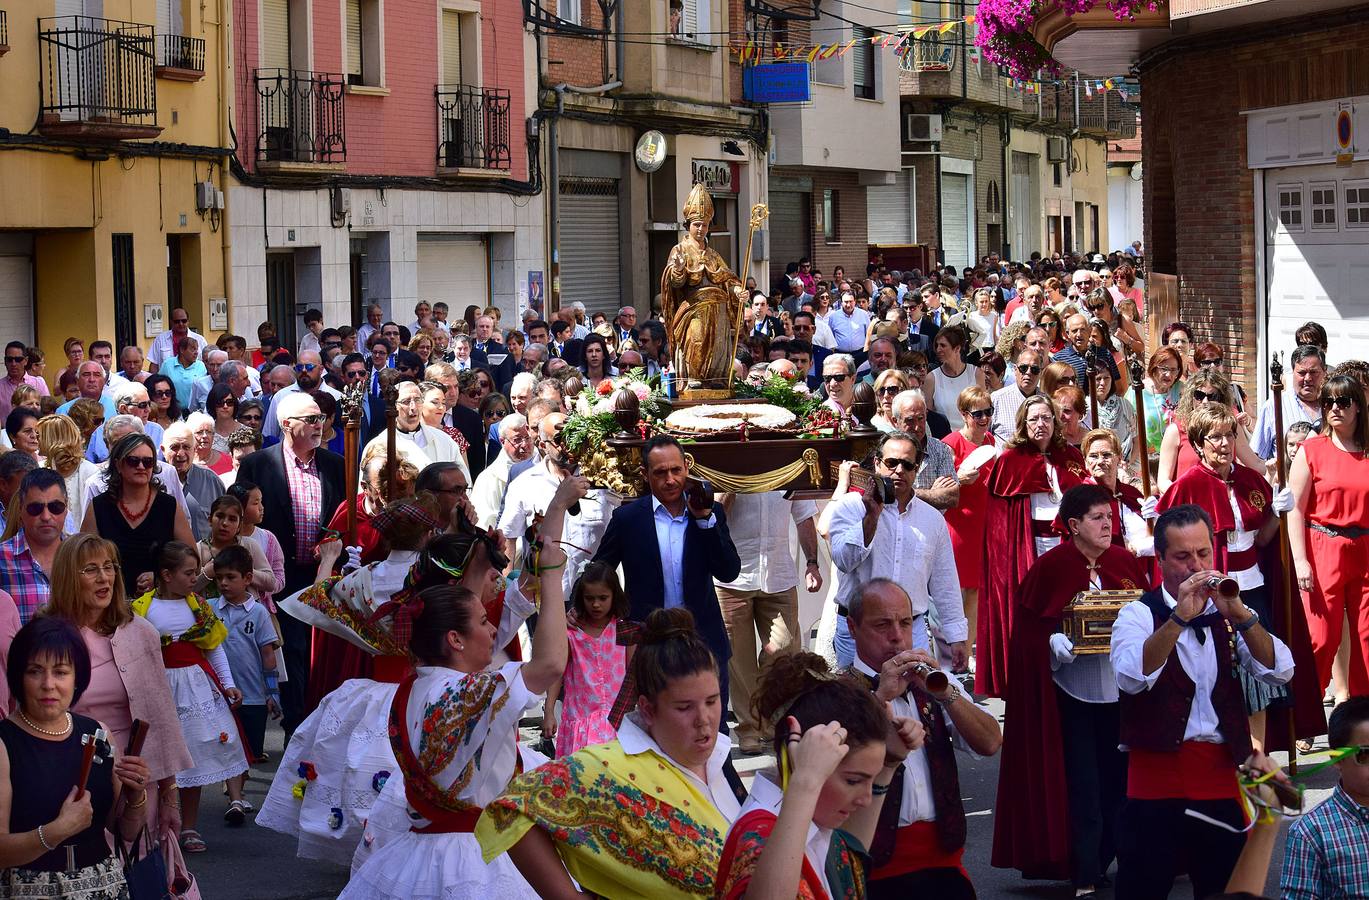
(1199, 659)
(670, 538)
(1238, 540)
(528, 497)
(164, 347)
(487, 494)
(1088, 678)
(917, 803)
(634, 738)
(912, 547)
(760, 528)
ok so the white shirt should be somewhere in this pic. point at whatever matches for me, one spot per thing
(822, 333)
(913, 548)
(759, 525)
(635, 739)
(1238, 540)
(1045, 506)
(1088, 678)
(917, 803)
(670, 538)
(487, 494)
(528, 497)
(164, 347)
(1199, 660)
(423, 447)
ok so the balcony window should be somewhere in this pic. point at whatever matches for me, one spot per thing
(300, 117)
(568, 11)
(364, 50)
(474, 127)
(96, 78)
(831, 233)
(691, 21)
(863, 63)
(4, 33)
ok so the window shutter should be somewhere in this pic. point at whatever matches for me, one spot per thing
(354, 41)
(275, 34)
(451, 47)
(860, 55)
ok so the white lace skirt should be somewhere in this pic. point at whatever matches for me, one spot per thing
(435, 867)
(207, 724)
(346, 742)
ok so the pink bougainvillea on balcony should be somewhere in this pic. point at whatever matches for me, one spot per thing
(1005, 29)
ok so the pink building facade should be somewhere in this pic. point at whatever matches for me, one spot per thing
(383, 154)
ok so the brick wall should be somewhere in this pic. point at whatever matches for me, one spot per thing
(852, 251)
(575, 60)
(1199, 204)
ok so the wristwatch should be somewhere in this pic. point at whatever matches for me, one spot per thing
(1248, 624)
(951, 697)
(812, 562)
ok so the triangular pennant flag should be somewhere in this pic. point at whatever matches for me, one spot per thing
(945, 27)
(829, 52)
(970, 18)
(1088, 90)
(922, 32)
(1109, 83)
(847, 46)
(813, 54)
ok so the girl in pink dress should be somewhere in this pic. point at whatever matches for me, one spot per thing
(601, 639)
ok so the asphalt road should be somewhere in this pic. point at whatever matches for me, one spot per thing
(251, 863)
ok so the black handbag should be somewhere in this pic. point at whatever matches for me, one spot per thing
(145, 873)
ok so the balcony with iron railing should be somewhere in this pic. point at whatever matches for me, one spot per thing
(1105, 115)
(96, 79)
(300, 120)
(937, 66)
(180, 58)
(473, 129)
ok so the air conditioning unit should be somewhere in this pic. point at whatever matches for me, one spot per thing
(921, 127)
(1057, 150)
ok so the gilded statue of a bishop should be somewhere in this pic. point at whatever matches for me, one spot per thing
(702, 300)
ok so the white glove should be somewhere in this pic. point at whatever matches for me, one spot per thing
(1150, 508)
(353, 560)
(1143, 546)
(1062, 650)
(1283, 501)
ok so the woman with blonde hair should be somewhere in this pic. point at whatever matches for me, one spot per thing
(60, 445)
(889, 384)
(127, 678)
(87, 415)
(422, 344)
(1177, 453)
(1057, 375)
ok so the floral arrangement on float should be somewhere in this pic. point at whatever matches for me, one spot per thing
(1004, 30)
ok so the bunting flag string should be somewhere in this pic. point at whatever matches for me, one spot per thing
(751, 52)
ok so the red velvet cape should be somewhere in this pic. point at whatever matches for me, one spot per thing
(1203, 487)
(1009, 550)
(1031, 819)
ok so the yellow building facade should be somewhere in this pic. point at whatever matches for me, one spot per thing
(112, 171)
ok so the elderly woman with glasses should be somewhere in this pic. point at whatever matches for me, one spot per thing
(1177, 454)
(1162, 390)
(1327, 529)
(889, 384)
(1179, 335)
(1024, 490)
(1245, 517)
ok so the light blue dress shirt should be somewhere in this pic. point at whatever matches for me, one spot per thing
(670, 538)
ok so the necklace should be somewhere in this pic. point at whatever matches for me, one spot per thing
(128, 513)
(41, 730)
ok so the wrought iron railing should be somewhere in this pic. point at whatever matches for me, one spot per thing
(929, 53)
(473, 127)
(97, 70)
(300, 116)
(176, 51)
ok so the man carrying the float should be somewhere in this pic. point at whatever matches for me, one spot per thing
(1063, 778)
(1177, 652)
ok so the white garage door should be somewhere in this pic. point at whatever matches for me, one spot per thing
(1317, 256)
(453, 268)
(16, 288)
(955, 220)
(889, 210)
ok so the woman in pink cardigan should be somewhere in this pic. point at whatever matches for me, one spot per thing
(127, 679)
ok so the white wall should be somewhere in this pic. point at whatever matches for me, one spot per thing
(1124, 208)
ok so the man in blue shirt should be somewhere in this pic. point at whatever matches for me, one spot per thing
(90, 381)
(849, 325)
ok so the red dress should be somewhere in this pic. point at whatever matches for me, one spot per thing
(966, 521)
(1010, 549)
(1338, 498)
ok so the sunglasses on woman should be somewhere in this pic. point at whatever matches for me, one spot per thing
(140, 462)
(981, 413)
(1341, 403)
(1204, 397)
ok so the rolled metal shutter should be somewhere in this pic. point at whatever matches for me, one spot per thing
(275, 34)
(354, 72)
(453, 268)
(888, 210)
(16, 287)
(955, 220)
(791, 229)
(591, 244)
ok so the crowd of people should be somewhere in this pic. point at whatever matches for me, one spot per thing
(181, 557)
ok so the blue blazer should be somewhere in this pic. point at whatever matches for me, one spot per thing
(709, 553)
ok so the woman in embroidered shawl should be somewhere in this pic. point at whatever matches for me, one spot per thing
(804, 829)
(454, 731)
(339, 759)
(640, 817)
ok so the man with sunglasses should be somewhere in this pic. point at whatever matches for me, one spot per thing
(302, 484)
(1008, 399)
(936, 481)
(839, 381)
(308, 378)
(1327, 855)
(26, 559)
(167, 345)
(906, 541)
(1307, 373)
(16, 375)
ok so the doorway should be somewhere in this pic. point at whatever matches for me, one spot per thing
(280, 296)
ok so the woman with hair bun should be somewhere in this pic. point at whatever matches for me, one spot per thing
(805, 828)
(644, 815)
(453, 727)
